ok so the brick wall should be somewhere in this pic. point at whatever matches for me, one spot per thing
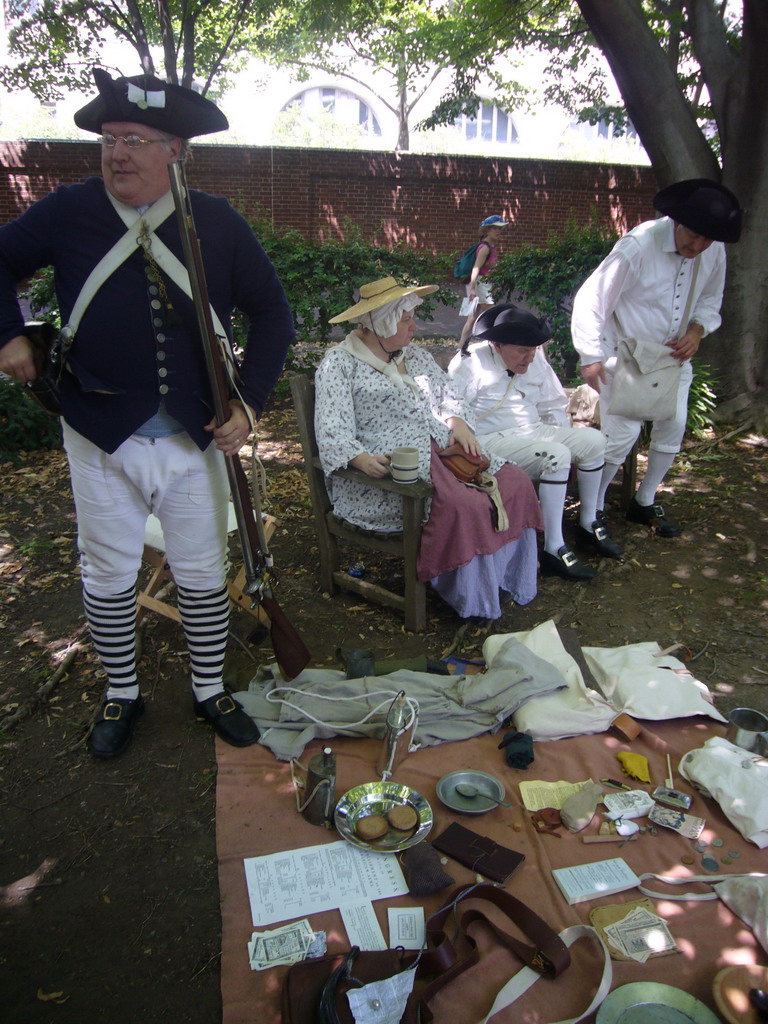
(432, 202)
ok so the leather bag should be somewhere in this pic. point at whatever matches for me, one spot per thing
(49, 354)
(646, 381)
(465, 467)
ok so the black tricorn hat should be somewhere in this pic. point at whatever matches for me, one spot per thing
(507, 324)
(145, 99)
(703, 206)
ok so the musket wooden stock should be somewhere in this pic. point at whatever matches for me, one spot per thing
(291, 654)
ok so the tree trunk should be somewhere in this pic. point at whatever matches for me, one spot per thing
(678, 149)
(403, 133)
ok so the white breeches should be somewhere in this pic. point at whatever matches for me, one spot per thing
(621, 433)
(114, 494)
(548, 449)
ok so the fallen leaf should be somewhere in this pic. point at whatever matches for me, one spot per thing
(51, 997)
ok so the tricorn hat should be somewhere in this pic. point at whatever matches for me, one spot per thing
(507, 324)
(703, 206)
(145, 99)
(379, 293)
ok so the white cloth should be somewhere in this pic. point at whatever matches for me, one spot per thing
(358, 408)
(384, 320)
(114, 494)
(643, 284)
(575, 711)
(738, 781)
(748, 898)
(641, 681)
(580, 711)
(500, 402)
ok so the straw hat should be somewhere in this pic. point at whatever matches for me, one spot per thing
(379, 293)
(145, 99)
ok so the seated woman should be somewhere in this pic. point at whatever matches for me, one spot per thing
(375, 392)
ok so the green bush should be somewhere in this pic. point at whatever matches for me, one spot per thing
(23, 424)
(702, 399)
(319, 278)
(547, 277)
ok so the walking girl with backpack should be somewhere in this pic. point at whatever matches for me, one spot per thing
(476, 262)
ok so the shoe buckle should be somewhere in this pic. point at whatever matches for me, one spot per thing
(658, 511)
(601, 533)
(113, 712)
(568, 559)
(225, 705)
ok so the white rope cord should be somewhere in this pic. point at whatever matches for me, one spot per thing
(413, 706)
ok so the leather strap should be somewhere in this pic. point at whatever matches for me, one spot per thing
(547, 954)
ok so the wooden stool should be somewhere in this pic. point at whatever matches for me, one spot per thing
(152, 597)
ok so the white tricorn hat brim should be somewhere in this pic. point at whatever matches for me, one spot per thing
(379, 293)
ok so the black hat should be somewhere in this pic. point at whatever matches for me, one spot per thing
(147, 100)
(703, 206)
(507, 324)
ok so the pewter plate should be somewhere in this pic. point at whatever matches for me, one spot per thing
(379, 798)
(650, 1002)
(482, 781)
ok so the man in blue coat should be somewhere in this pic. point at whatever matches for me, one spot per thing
(137, 408)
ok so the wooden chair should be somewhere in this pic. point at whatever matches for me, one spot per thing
(330, 529)
(629, 477)
(153, 595)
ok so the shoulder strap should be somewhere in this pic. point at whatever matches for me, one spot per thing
(546, 955)
(116, 256)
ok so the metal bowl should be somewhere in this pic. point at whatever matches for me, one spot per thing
(482, 781)
(379, 798)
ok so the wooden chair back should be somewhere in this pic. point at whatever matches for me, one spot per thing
(331, 531)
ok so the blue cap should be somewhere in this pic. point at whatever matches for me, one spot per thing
(493, 221)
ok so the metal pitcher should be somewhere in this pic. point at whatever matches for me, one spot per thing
(748, 728)
(399, 727)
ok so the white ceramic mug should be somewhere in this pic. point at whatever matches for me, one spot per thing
(404, 465)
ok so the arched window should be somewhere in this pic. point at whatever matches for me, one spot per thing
(345, 106)
(490, 124)
(606, 130)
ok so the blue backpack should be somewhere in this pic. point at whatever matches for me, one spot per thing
(462, 268)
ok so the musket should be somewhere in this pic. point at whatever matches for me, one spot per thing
(291, 654)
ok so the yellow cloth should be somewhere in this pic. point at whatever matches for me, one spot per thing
(634, 765)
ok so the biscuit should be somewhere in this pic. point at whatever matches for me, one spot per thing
(371, 827)
(403, 818)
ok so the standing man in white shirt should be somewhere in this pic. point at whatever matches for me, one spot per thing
(520, 411)
(641, 290)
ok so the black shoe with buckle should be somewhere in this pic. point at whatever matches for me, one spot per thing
(600, 540)
(652, 515)
(114, 727)
(228, 719)
(565, 564)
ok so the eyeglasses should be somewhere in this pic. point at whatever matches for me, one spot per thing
(131, 141)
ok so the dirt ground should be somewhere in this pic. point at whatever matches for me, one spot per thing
(120, 920)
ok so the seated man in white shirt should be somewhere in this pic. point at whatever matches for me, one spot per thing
(520, 410)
